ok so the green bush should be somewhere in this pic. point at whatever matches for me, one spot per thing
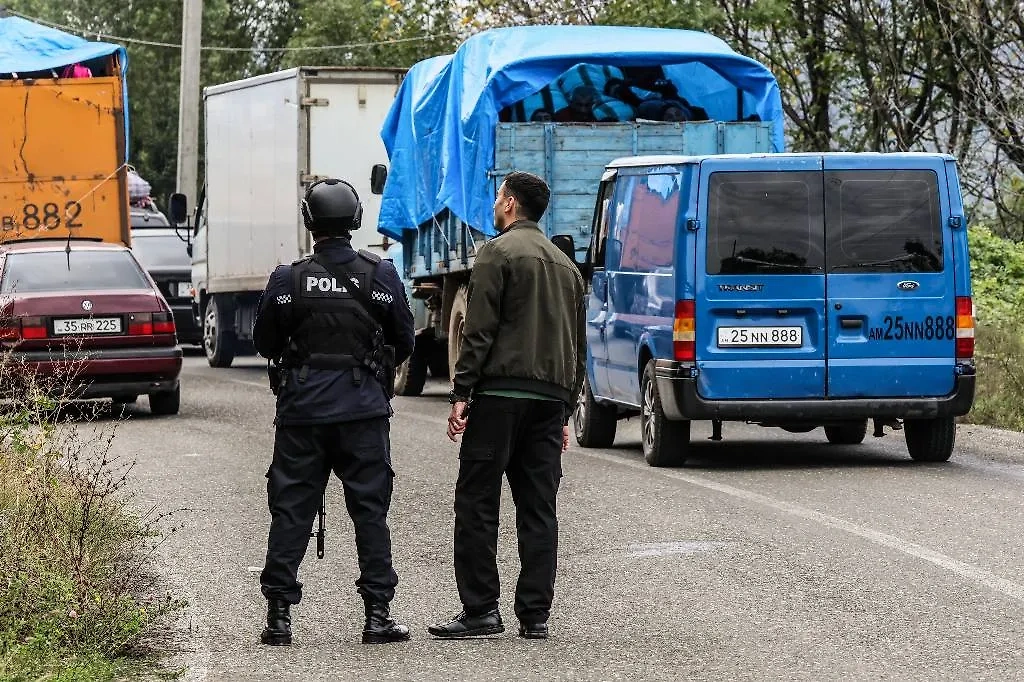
(997, 274)
(75, 589)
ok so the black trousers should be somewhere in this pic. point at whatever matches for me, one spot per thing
(522, 439)
(359, 454)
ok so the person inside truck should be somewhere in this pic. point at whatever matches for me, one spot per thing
(580, 108)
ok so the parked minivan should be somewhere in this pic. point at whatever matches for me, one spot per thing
(788, 290)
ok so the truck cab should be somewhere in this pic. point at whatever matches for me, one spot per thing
(805, 291)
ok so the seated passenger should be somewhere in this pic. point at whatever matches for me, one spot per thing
(664, 110)
(581, 106)
(610, 110)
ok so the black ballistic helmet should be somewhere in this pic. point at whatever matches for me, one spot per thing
(331, 206)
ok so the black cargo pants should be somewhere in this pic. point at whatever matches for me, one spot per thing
(359, 454)
(520, 438)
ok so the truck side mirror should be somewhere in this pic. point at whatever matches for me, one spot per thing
(378, 176)
(566, 245)
(178, 208)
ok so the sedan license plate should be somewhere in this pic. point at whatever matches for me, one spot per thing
(87, 325)
(760, 337)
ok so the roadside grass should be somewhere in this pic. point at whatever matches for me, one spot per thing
(78, 599)
(999, 399)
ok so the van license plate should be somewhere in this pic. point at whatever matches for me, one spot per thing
(760, 337)
(91, 325)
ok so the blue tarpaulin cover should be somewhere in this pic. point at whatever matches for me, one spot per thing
(439, 133)
(26, 47)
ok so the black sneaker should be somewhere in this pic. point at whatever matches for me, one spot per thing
(464, 625)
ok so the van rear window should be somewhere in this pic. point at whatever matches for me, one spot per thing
(883, 221)
(765, 223)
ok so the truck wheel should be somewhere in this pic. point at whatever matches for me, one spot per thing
(218, 336)
(455, 327)
(847, 434)
(165, 403)
(412, 373)
(594, 423)
(665, 442)
(930, 440)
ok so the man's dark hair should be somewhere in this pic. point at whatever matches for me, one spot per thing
(530, 192)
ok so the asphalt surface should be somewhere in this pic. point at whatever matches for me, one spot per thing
(771, 555)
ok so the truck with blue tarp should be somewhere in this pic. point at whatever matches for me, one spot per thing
(63, 135)
(560, 102)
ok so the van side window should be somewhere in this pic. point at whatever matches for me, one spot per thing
(600, 226)
(883, 221)
(646, 221)
(765, 223)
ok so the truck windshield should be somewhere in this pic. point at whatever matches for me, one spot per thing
(883, 221)
(765, 223)
(89, 270)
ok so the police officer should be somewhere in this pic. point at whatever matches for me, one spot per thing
(336, 349)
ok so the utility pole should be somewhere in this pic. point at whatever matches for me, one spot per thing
(188, 104)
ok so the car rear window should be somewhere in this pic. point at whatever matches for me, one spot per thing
(149, 219)
(765, 223)
(883, 221)
(79, 270)
(160, 251)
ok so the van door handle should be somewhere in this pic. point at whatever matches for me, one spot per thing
(850, 322)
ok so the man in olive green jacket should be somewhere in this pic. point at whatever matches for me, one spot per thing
(518, 377)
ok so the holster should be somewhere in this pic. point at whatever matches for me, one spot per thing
(276, 376)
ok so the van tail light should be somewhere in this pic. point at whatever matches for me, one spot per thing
(964, 328)
(23, 329)
(684, 340)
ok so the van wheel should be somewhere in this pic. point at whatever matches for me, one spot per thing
(165, 403)
(665, 442)
(456, 323)
(218, 335)
(930, 440)
(847, 434)
(593, 422)
(412, 374)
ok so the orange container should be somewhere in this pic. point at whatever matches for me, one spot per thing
(62, 160)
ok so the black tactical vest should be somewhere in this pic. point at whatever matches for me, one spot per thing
(332, 329)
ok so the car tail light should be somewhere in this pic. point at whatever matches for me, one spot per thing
(684, 340)
(147, 324)
(140, 324)
(163, 323)
(23, 329)
(964, 328)
(33, 328)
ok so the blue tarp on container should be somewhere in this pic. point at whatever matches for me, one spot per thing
(27, 47)
(439, 133)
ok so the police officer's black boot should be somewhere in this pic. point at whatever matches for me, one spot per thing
(380, 627)
(279, 623)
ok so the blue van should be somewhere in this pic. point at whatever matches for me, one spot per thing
(788, 290)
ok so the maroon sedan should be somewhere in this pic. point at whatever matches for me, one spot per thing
(86, 312)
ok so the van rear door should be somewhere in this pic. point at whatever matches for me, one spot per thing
(890, 282)
(760, 294)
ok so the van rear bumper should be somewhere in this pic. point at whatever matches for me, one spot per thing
(680, 401)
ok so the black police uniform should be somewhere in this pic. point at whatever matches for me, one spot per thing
(332, 411)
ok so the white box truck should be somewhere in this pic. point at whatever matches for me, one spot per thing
(267, 139)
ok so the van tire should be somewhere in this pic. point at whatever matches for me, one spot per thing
(219, 339)
(930, 440)
(665, 442)
(411, 375)
(847, 434)
(165, 403)
(456, 323)
(593, 422)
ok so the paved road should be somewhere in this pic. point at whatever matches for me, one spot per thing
(770, 556)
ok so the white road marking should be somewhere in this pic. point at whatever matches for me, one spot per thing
(669, 548)
(972, 573)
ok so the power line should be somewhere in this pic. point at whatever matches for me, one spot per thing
(217, 48)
